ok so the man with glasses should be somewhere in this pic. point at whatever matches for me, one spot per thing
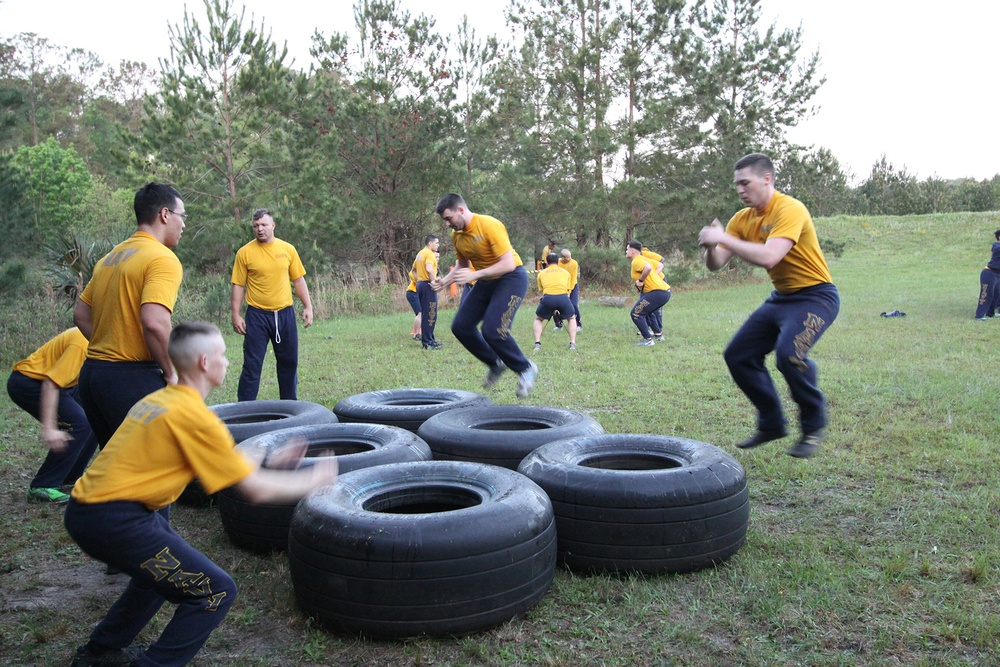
(125, 309)
(261, 274)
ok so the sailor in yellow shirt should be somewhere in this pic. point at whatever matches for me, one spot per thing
(776, 232)
(125, 310)
(425, 268)
(655, 319)
(654, 292)
(554, 284)
(567, 262)
(501, 283)
(45, 386)
(119, 509)
(261, 273)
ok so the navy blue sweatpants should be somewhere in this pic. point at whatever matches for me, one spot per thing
(428, 311)
(574, 299)
(279, 329)
(494, 303)
(989, 294)
(109, 389)
(788, 324)
(163, 568)
(63, 467)
(644, 309)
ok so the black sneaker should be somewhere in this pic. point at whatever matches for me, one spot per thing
(87, 657)
(433, 345)
(808, 445)
(760, 437)
(493, 376)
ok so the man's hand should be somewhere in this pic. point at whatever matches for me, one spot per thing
(239, 325)
(307, 316)
(712, 234)
(55, 439)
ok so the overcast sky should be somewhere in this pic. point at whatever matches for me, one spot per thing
(914, 81)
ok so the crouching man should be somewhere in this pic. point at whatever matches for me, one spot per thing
(118, 512)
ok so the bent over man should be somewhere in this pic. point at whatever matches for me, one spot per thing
(501, 283)
(654, 293)
(45, 386)
(776, 232)
(169, 438)
(261, 273)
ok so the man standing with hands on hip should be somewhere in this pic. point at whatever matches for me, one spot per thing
(264, 272)
(776, 232)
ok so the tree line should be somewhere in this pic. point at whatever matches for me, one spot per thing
(590, 123)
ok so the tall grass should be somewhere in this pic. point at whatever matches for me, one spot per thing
(881, 550)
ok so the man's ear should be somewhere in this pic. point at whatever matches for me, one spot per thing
(203, 362)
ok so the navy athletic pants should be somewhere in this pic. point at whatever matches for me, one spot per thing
(109, 389)
(788, 324)
(163, 568)
(63, 467)
(574, 298)
(279, 329)
(428, 311)
(494, 303)
(646, 306)
(989, 294)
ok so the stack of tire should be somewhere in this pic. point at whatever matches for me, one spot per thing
(463, 542)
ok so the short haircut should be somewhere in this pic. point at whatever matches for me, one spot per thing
(260, 213)
(552, 258)
(189, 340)
(450, 201)
(758, 163)
(565, 252)
(634, 244)
(431, 237)
(996, 235)
(151, 198)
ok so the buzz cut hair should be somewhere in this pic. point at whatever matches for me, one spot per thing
(189, 340)
(552, 258)
(635, 245)
(431, 237)
(758, 163)
(152, 198)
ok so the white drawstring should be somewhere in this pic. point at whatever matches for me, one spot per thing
(277, 331)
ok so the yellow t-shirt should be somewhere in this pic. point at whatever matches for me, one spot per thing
(573, 267)
(168, 438)
(785, 217)
(653, 280)
(412, 287)
(554, 280)
(58, 360)
(420, 264)
(266, 271)
(139, 270)
(655, 258)
(483, 242)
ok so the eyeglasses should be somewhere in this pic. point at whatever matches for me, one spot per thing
(183, 216)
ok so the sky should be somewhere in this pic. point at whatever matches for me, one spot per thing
(915, 82)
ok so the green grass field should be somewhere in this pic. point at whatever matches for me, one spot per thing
(881, 550)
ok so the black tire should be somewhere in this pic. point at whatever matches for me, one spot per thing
(435, 548)
(501, 435)
(405, 408)
(642, 503)
(249, 418)
(264, 527)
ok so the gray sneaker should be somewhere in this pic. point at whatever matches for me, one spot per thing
(526, 380)
(572, 346)
(808, 445)
(659, 338)
(645, 342)
(538, 346)
(494, 375)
